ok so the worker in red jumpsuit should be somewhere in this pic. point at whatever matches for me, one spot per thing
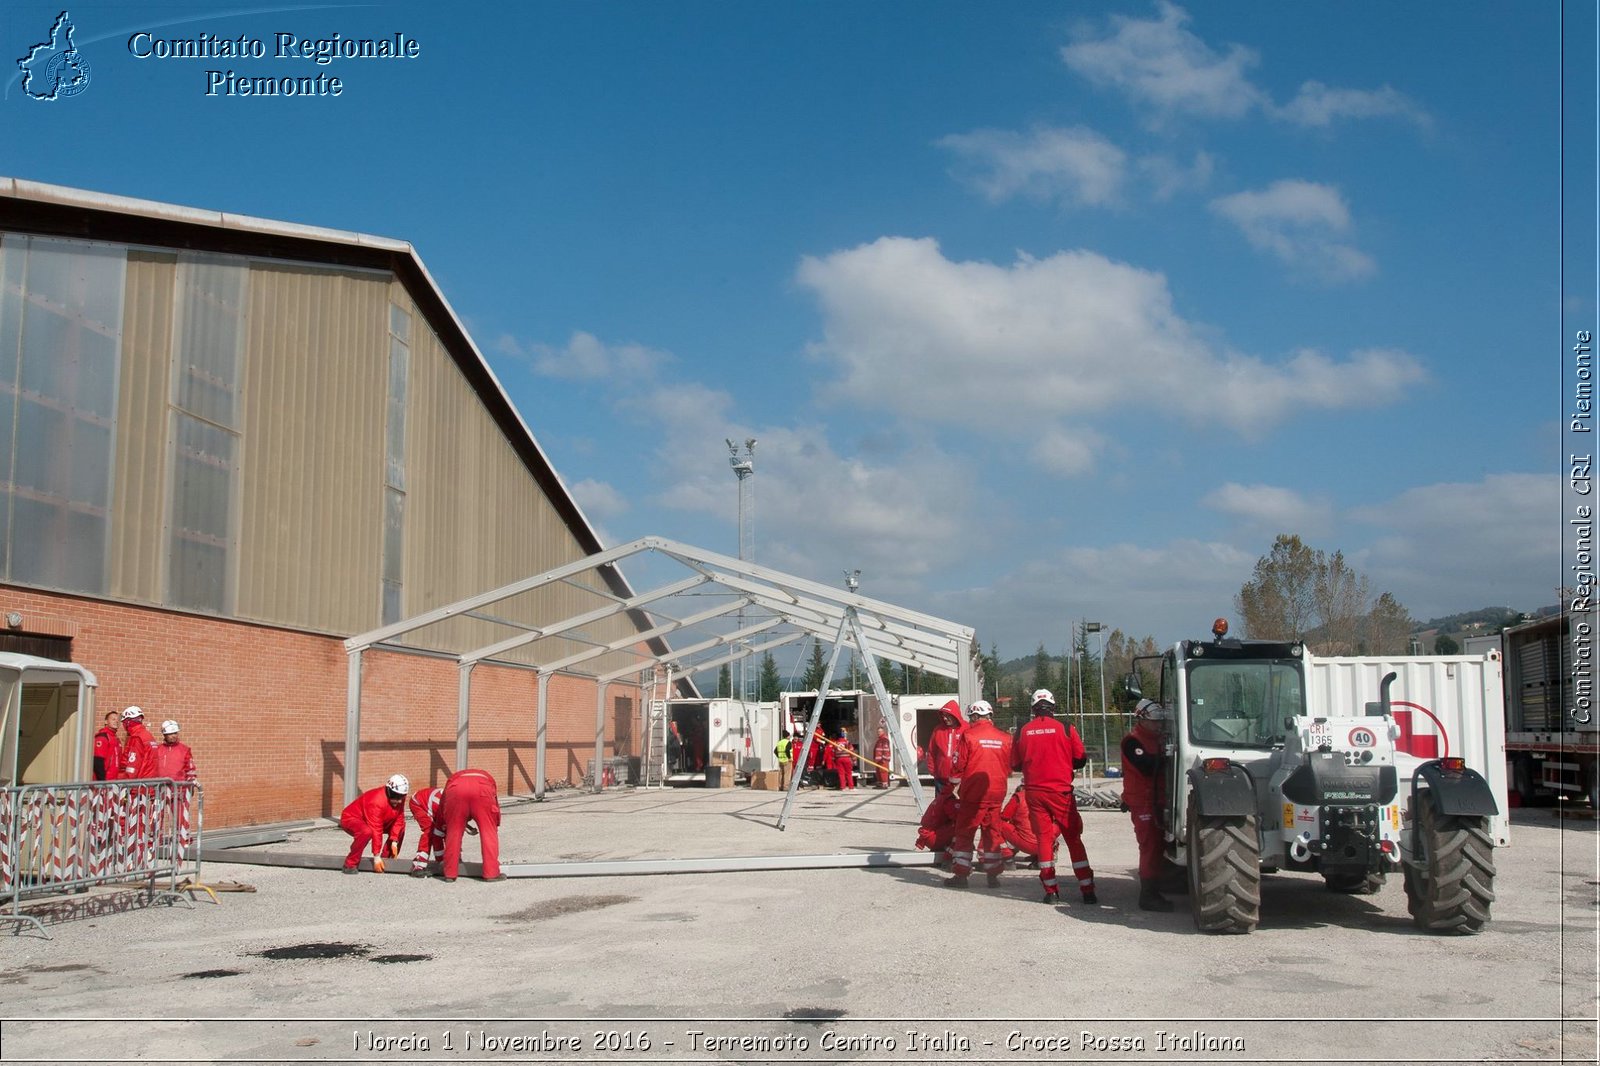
(471, 795)
(938, 825)
(1141, 769)
(984, 762)
(173, 758)
(815, 760)
(882, 753)
(107, 749)
(376, 819)
(1047, 754)
(844, 761)
(430, 829)
(138, 747)
(1016, 825)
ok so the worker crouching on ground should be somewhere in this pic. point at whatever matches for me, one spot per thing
(376, 819)
(1141, 768)
(430, 829)
(938, 825)
(1047, 753)
(471, 796)
(984, 761)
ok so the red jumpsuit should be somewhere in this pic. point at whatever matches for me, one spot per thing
(1141, 763)
(371, 820)
(882, 752)
(140, 820)
(984, 761)
(938, 825)
(1016, 824)
(471, 795)
(1047, 753)
(430, 827)
(174, 759)
(844, 763)
(107, 754)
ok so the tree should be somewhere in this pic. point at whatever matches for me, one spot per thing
(1300, 593)
(1388, 628)
(890, 671)
(1444, 644)
(1041, 667)
(816, 667)
(724, 681)
(1279, 601)
(771, 683)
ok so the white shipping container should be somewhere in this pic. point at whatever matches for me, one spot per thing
(1445, 705)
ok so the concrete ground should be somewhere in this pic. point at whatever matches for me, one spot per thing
(869, 965)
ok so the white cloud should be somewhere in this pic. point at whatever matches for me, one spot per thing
(1046, 345)
(1319, 105)
(1169, 177)
(1271, 509)
(1075, 166)
(1170, 591)
(586, 358)
(598, 499)
(1300, 222)
(1458, 545)
(1161, 64)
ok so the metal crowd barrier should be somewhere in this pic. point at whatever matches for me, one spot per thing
(66, 838)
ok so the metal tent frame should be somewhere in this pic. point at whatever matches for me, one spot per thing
(790, 608)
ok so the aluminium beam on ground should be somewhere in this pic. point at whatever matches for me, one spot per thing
(811, 727)
(599, 867)
(897, 739)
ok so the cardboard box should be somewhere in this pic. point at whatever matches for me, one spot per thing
(764, 780)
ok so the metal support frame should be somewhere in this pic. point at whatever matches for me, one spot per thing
(811, 726)
(897, 740)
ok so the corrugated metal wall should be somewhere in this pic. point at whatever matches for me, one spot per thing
(311, 505)
(139, 472)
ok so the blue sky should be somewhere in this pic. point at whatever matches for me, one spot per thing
(1037, 311)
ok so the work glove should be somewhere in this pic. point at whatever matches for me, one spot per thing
(377, 863)
(394, 849)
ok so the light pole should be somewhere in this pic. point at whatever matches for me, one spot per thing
(1105, 741)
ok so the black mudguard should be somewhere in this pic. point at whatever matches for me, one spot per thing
(1227, 792)
(1465, 794)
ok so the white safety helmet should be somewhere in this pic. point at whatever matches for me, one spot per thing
(129, 713)
(1042, 695)
(1149, 710)
(980, 709)
(169, 726)
(398, 783)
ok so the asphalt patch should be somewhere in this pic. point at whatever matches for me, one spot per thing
(333, 950)
(556, 908)
(205, 974)
(814, 1014)
(400, 958)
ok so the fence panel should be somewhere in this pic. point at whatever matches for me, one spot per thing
(62, 838)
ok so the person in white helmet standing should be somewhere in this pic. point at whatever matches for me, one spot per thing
(138, 747)
(984, 765)
(173, 758)
(376, 819)
(1047, 753)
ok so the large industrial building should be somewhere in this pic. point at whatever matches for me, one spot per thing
(229, 444)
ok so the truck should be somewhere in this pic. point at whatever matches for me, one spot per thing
(1353, 768)
(1552, 741)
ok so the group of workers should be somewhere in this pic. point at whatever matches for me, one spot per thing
(468, 802)
(132, 753)
(837, 754)
(971, 761)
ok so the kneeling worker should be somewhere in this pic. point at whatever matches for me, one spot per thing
(376, 815)
(471, 795)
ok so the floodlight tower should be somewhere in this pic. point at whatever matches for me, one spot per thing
(744, 468)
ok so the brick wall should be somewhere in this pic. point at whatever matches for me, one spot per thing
(264, 708)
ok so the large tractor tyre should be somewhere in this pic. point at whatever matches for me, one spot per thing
(1450, 888)
(1355, 884)
(1224, 873)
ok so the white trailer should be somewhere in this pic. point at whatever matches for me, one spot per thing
(724, 732)
(1445, 706)
(917, 717)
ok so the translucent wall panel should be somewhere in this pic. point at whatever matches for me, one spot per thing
(60, 343)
